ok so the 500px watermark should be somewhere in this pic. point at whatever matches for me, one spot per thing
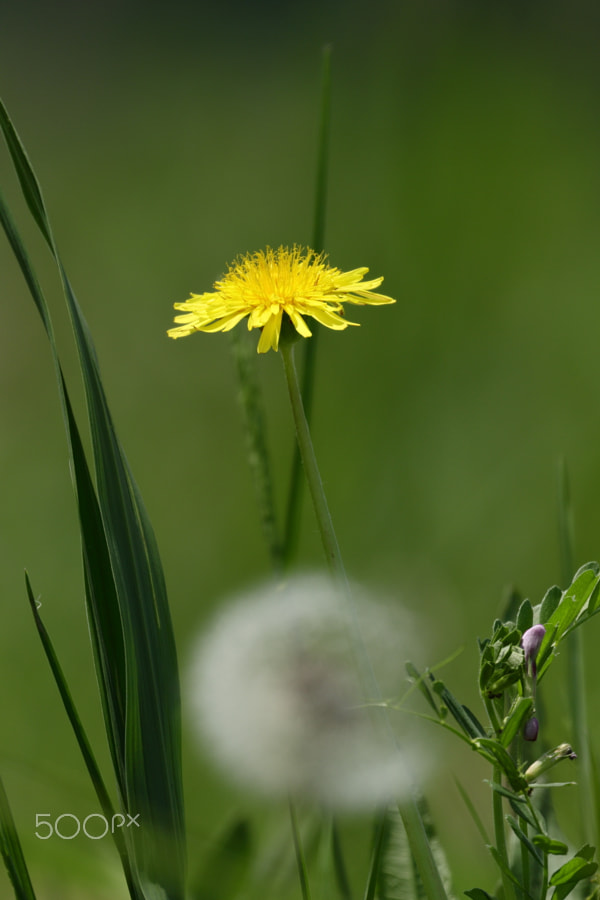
(95, 826)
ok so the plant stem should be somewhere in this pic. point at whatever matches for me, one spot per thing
(311, 468)
(413, 823)
(525, 873)
(300, 859)
(500, 836)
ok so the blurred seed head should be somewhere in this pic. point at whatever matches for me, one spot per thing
(281, 690)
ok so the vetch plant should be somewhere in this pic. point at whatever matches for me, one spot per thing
(512, 661)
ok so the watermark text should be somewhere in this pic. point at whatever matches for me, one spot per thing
(95, 826)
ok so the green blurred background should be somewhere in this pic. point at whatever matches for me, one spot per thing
(465, 143)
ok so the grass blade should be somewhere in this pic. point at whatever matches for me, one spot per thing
(294, 500)
(12, 852)
(377, 856)
(84, 745)
(148, 745)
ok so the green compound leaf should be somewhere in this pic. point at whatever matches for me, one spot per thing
(579, 868)
(577, 603)
(501, 662)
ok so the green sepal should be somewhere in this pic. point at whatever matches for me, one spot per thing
(518, 714)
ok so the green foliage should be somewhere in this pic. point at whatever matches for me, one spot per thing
(579, 868)
(12, 852)
(397, 876)
(507, 690)
(578, 603)
(225, 867)
(126, 598)
(502, 659)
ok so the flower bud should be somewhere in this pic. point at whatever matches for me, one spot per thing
(548, 760)
(531, 643)
(531, 729)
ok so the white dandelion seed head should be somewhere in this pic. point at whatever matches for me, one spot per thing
(281, 689)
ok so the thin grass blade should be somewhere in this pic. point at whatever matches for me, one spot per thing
(294, 499)
(12, 852)
(85, 747)
(152, 753)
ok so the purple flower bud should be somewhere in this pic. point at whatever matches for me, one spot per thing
(531, 642)
(530, 731)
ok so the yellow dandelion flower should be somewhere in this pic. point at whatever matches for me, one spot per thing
(266, 284)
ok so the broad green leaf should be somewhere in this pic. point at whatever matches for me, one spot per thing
(583, 590)
(549, 604)
(12, 852)
(579, 871)
(525, 616)
(579, 868)
(478, 894)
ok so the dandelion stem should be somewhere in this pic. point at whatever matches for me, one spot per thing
(311, 468)
(413, 823)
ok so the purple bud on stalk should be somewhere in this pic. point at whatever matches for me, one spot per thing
(530, 732)
(531, 643)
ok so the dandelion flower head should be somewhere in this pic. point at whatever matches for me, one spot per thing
(276, 697)
(265, 285)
